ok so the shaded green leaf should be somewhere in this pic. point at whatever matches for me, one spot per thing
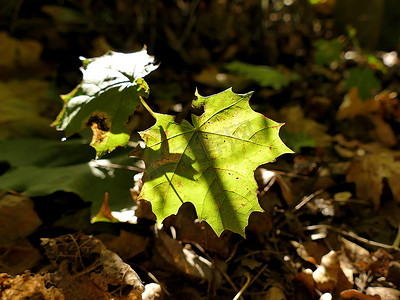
(364, 80)
(265, 76)
(40, 167)
(210, 163)
(109, 93)
(327, 51)
(297, 140)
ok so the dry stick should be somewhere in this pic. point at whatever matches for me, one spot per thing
(307, 199)
(78, 250)
(227, 278)
(258, 274)
(396, 242)
(352, 235)
(154, 279)
(239, 294)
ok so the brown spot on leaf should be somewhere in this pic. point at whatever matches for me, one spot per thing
(100, 124)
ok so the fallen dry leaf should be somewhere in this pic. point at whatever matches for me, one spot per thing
(126, 245)
(87, 270)
(18, 218)
(18, 256)
(352, 106)
(367, 173)
(190, 230)
(354, 294)
(329, 276)
(153, 291)
(384, 292)
(326, 275)
(359, 256)
(296, 122)
(174, 257)
(29, 286)
(275, 293)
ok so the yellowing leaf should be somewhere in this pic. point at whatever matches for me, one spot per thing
(210, 163)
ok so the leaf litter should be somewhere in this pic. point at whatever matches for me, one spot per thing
(327, 230)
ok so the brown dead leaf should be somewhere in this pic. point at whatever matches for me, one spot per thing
(326, 275)
(367, 173)
(310, 251)
(18, 218)
(352, 106)
(383, 132)
(126, 245)
(359, 256)
(329, 276)
(296, 122)
(87, 270)
(189, 230)
(28, 286)
(354, 294)
(384, 292)
(274, 293)
(306, 278)
(153, 291)
(174, 257)
(18, 256)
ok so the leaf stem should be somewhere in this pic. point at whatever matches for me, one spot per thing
(147, 107)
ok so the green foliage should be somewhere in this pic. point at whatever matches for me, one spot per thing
(297, 140)
(41, 167)
(265, 76)
(364, 80)
(109, 93)
(211, 163)
(327, 51)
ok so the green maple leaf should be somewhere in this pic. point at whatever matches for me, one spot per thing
(210, 163)
(108, 94)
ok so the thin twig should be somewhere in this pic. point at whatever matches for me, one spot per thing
(352, 235)
(239, 294)
(227, 278)
(307, 199)
(78, 250)
(258, 274)
(396, 242)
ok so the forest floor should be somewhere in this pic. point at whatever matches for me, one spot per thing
(330, 226)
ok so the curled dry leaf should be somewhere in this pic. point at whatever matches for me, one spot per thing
(329, 276)
(326, 275)
(153, 291)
